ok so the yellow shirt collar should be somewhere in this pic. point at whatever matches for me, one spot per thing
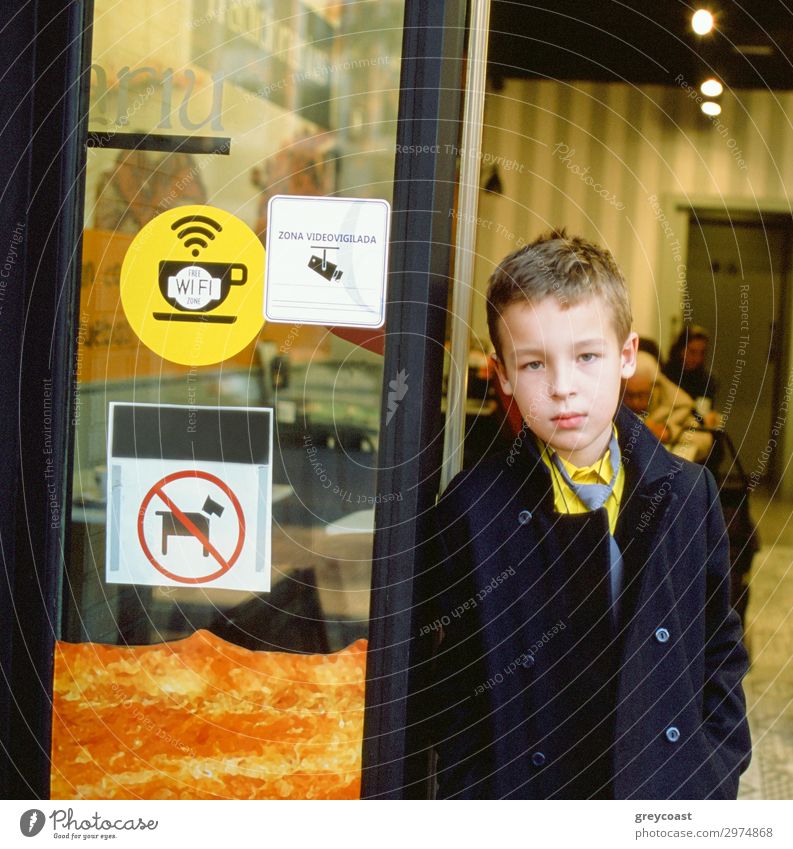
(598, 472)
(566, 501)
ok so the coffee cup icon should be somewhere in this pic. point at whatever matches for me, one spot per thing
(196, 290)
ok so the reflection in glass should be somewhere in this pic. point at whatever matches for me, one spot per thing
(303, 97)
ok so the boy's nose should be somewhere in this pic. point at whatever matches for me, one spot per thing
(561, 384)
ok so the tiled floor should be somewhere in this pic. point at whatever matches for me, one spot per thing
(769, 684)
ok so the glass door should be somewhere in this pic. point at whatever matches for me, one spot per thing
(177, 685)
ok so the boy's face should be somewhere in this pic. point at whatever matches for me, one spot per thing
(564, 366)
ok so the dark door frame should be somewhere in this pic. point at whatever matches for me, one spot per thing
(44, 130)
(395, 759)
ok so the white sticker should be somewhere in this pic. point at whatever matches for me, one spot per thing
(327, 260)
(189, 496)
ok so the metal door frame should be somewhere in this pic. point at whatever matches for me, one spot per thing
(418, 455)
(394, 764)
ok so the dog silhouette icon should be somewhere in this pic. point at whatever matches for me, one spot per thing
(173, 527)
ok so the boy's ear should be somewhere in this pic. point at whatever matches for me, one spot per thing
(506, 385)
(628, 355)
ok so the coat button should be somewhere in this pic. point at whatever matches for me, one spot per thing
(528, 661)
(538, 759)
(662, 635)
(524, 516)
(673, 734)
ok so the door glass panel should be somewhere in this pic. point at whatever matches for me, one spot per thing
(167, 691)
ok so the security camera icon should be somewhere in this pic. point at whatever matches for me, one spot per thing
(322, 265)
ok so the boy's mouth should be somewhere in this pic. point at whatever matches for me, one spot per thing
(568, 420)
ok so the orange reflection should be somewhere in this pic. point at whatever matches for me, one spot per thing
(202, 718)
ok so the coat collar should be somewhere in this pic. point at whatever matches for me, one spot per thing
(645, 459)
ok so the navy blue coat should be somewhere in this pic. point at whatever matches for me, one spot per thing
(535, 694)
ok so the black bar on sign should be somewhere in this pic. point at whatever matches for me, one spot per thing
(166, 144)
(220, 435)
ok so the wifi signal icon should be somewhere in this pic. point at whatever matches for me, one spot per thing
(194, 235)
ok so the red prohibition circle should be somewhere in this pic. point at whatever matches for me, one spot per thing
(225, 565)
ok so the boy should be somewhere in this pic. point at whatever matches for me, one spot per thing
(588, 648)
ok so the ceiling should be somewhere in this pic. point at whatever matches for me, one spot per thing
(643, 41)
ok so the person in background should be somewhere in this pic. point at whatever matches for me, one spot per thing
(666, 409)
(686, 366)
(651, 346)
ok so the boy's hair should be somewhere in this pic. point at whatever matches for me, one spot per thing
(569, 268)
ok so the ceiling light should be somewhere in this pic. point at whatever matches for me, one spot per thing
(702, 21)
(711, 87)
(710, 107)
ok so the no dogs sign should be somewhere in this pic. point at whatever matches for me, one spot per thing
(189, 496)
(191, 527)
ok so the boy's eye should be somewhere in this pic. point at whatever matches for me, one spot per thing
(534, 365)
(588, 358)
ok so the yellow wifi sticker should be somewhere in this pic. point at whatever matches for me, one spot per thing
(192, 285)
